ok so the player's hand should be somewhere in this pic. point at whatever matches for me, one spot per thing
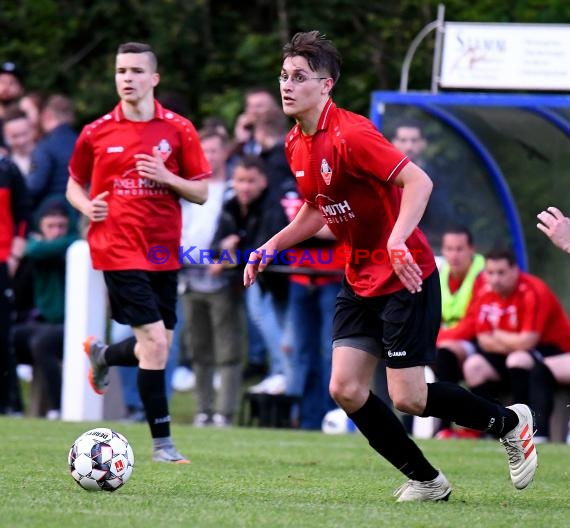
(555, 226)
(258, 260)
(98, 208)
(152, 167)
(405, 267)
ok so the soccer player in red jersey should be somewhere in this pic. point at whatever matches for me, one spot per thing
(372, 198)
(138, 161)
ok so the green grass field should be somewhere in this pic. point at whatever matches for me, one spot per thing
(245, 477)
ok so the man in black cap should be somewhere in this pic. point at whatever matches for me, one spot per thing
(11, 89)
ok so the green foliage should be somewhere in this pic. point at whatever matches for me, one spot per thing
(210, 52)
(268, 478)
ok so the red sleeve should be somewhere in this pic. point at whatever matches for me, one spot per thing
(370, 153)
(81, 162)
(465, 329)
(533, 318)
(194, 163)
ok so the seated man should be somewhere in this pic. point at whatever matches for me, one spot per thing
(516, 321)
(40, 341)
(460, 280)
(546, 374)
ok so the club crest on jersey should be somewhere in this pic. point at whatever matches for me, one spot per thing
(164, 149)
(326, 171)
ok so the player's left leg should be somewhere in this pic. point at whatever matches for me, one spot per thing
(352, 370)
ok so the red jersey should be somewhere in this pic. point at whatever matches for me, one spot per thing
(532, 307)
(344, 170)
(327, 255)
(14, 207)
(142, 213)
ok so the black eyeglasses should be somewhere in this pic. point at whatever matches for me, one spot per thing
(298, 78)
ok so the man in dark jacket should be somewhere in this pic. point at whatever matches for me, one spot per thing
(14, 212)
(50, 159)
(252, 214)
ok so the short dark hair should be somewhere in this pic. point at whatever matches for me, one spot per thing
(459, 230)
(320, 52)
(61, 106)
(13, 112)
(250, 161)
(139, 47)
(210, 131)
(272, 121)
(407, 122)
(502, 253)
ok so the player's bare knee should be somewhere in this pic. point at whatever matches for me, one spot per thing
(349, 395)
(409, 403)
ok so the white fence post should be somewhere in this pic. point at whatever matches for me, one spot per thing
(425, 427)
(85, 308)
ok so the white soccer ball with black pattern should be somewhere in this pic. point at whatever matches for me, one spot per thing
(101, 460)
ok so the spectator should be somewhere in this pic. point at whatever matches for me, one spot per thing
(515, 319)
(546, 374)
(460, 279)
(213, 302)
(409, 138)
(31, 103)
(258, 100)
(14, 212)
(11, 88)
(247, 219)
(50, 159)
(312, 300)
(269, 133)
(19, 138)
(39, 342)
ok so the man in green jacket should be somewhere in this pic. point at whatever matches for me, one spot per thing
(460, 278)
(40, 340)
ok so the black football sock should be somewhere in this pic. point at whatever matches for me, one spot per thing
(488, 390)
(152, 389)
(519, 384)
(122, 354)
(447, 368)
(541, 397)
(386, 434)
(452, 402)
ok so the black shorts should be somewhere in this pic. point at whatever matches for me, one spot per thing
(140, 297)
(499, 361)
(400, 327)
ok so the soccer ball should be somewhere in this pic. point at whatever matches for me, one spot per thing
(337, 422)
(101, 459)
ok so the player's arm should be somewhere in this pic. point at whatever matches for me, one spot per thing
(517, 340)
(555, 226)
(489, 343)
(95, 209)
(417, 188)
(306, 224)
(153, 168)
